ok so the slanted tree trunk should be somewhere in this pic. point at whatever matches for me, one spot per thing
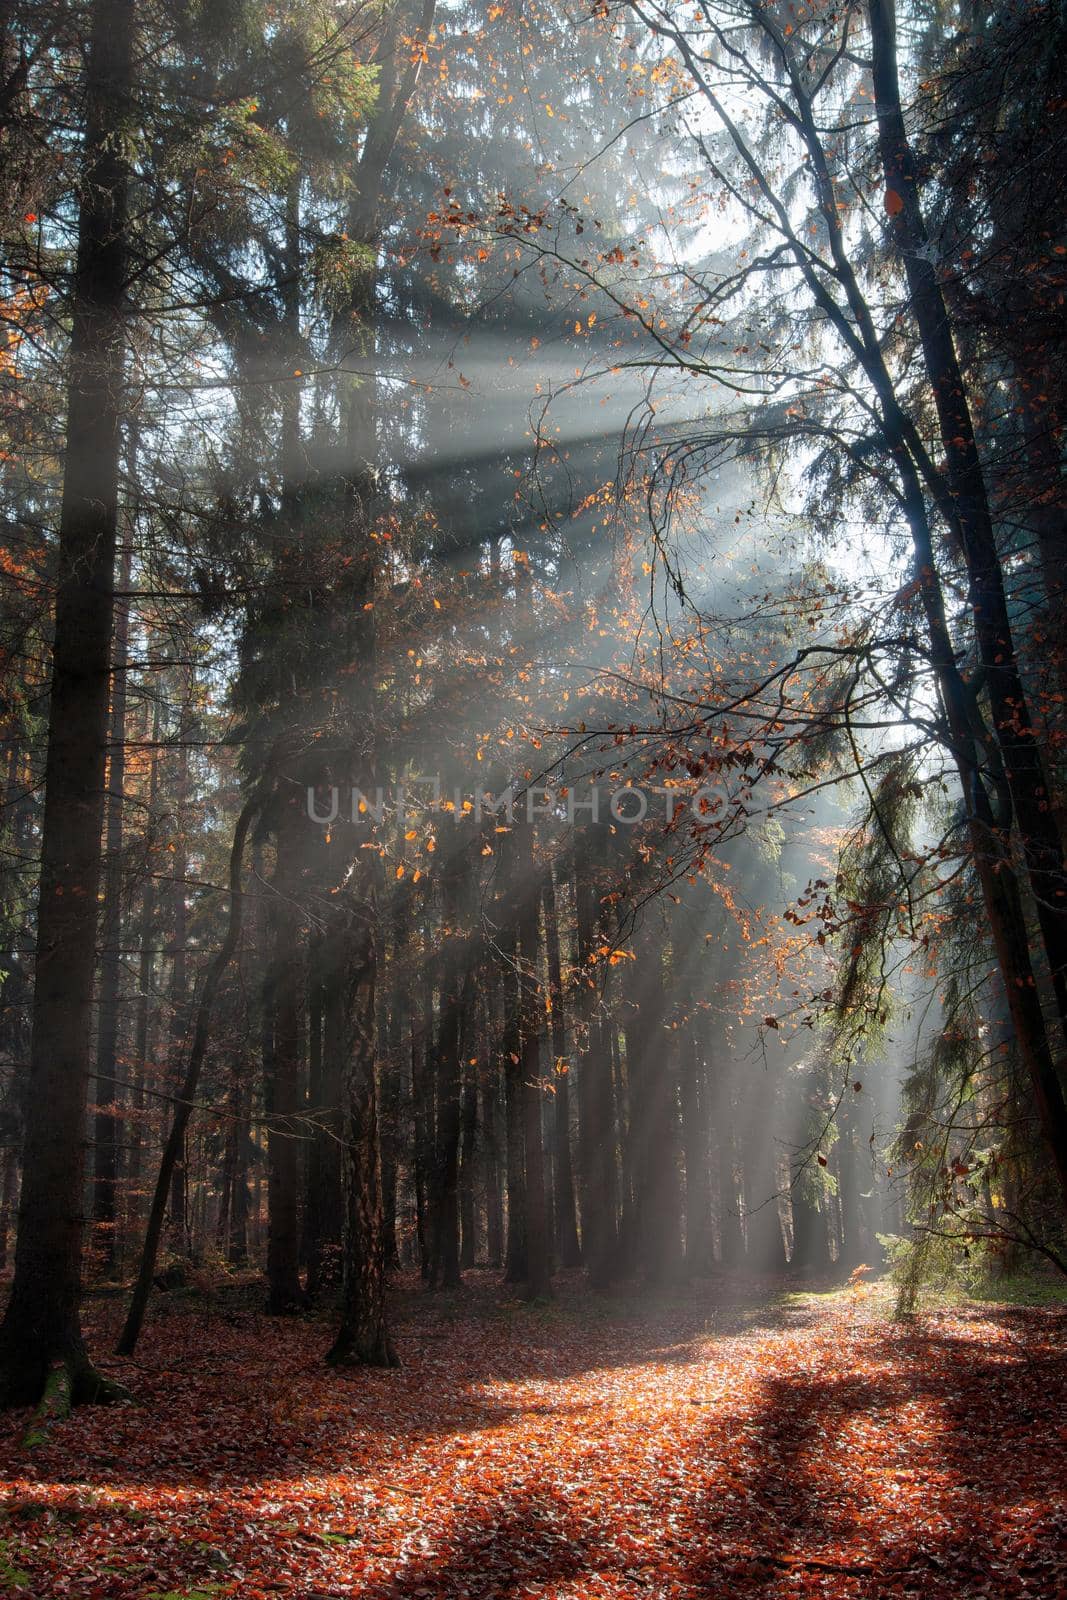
(184, 1104)
(42, 1325)
(363, 1337)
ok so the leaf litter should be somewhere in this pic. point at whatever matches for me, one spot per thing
(717, 1442)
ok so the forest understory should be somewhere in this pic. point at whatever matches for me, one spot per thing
(729, 1438)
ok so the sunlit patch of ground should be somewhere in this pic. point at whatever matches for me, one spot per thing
(715, 1443)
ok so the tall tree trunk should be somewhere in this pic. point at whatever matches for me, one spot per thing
(179, 991)
(538, 1248)
(363, 1337)
(765, 1243)
(507, 946)
(468, 1147)
(494, 1200)
(731, 1238)
(694, 1096)
(42, 1325)
(391, 1097)
(284, 992)
(107, 1122)
(423, 1046)
(237, 1239)
(566, 1214)
(596, 1134)
(455, 1002)
(653, 1121)
(146, 967)
(322, 1201)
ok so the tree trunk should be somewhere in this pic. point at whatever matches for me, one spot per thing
(325, 1189)
(565, 1210)
(455, 1003)
(596, 1136)
(184, 1105)
(653, 1120)
(511, 1055)
(731, 1238)
(494, 1200)
(1012, 723)
(107, 1122)
(468, 1147)
(422, 1090)
(283, 995)
(538, 1255)
(764, 1241)
(42, 1324)
(145, 982)
(694, 1095)
(179, 992)
(363, 1337)
(237, 1238)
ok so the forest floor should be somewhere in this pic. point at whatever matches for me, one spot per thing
(720, 1442)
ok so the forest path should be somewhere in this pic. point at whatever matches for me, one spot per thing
(723, 1441)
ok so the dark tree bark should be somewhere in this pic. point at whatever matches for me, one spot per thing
(179, 991)
(455, 1003)
(565, 1208)
(468, 1153)
(328, 1029)
(237, 1238)
(108, 1121)
(42, 1328)
(283, 995)
(538, 1252)
(494, 1199)
(391, 1094)
(146, 967)
(1012, 722)
(596, 1133)
(507, 947)
(184, 1106)
(363, 1337)
(423, 1044)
